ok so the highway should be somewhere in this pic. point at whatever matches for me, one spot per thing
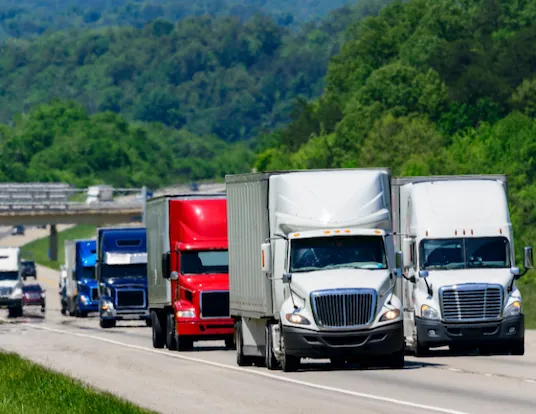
(122, 361)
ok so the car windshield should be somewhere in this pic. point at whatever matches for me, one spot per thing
(465, 253)
(138, 270)
(9, 275)
(28, 263)
(204, 262)
(32, 288)
(321, 253)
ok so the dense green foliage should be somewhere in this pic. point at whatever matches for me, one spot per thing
(29, 388)
(61, 142)
(209, 75)
(27, 18)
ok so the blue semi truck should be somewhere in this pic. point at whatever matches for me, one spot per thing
(121, 270)
(80, 292)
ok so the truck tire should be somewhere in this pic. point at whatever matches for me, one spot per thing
(289, 363)
(241, 359)
(107, 323)
(15, 312)
(171, 340)
(517, 347)
(230, 343)
(271, 361)
(159, 337)
(420, 350)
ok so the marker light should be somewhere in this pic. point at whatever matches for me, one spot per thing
(327, 231)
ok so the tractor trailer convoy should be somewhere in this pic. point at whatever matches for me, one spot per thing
(121, 271)
(312, 268)
(188, 270)
(459, 282)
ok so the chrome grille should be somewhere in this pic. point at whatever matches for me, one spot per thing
(130, 298)
(471, 302)
(6, 291)
(344, 308)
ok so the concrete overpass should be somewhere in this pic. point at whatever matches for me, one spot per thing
(53, 204)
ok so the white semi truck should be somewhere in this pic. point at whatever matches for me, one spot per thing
(11, 280)
(459, 266)
(312, 268)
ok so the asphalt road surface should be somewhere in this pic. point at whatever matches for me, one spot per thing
(121, 360)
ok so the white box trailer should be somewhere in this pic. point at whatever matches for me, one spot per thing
(459, 264)
(312, 267)
(11, 280)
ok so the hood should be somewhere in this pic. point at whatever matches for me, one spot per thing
(11, 283)
(438, 278)
(118, 281)
(307, 282)
(205, 282)
(91, 283)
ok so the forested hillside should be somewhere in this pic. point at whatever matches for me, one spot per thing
(428, 87)
(28, 18)
(209, 75)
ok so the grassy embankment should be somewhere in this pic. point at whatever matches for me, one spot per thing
(29, 388)
(38, 249)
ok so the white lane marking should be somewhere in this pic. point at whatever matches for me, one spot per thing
(373, 397)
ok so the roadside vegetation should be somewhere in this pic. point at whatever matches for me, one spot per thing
(38, 249)
(29, 388)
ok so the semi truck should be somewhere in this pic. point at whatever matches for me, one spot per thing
(121, 270)
(81, 288)
(188, 270)
(312, 268)
(11, 281)
(459, 265)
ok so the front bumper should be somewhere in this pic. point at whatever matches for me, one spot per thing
(214, 329)
(384, 340)
(34, 303)
(437, 333)
(10, 303)
(125, 314)
(88, 307)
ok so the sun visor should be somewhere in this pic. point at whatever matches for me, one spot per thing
(125, 258)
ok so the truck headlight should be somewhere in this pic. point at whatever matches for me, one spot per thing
(390, 315)
(186, 313)
(297, 319)
(83, 299)
(428, 312)
(17, 293)
(107, 306)
(513, 309)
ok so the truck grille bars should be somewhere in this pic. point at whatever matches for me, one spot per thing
(214, 304)
(344, 308)
(471, 302)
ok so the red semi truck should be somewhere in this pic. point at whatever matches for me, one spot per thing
(187, 267)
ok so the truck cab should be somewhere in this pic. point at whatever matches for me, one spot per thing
(82, 295)
(11, 281)
(121, 270)
(459, 264)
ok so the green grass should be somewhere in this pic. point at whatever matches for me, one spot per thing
(38, 249)
(527, 286)
(26, 387)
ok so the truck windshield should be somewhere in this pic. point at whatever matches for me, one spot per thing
(321, 253)
(204, 262)
(9, 275)
(131, 270)
(87, 273)
(465, 253)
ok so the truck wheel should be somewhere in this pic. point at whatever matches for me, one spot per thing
(421, 350)
(241, 359)
(106, 323)
(148, 322)
(82, 314)
(289, 363)
(171, 341)
(517, 347)
(271, 361)
(230, 343)
(159, 338)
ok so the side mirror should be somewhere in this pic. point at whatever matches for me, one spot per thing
(527, 258)
(166, 265)
(423, 273)
(174, 276)
(266, 257)
(287, 278)
(406, 249)
(399, 261)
